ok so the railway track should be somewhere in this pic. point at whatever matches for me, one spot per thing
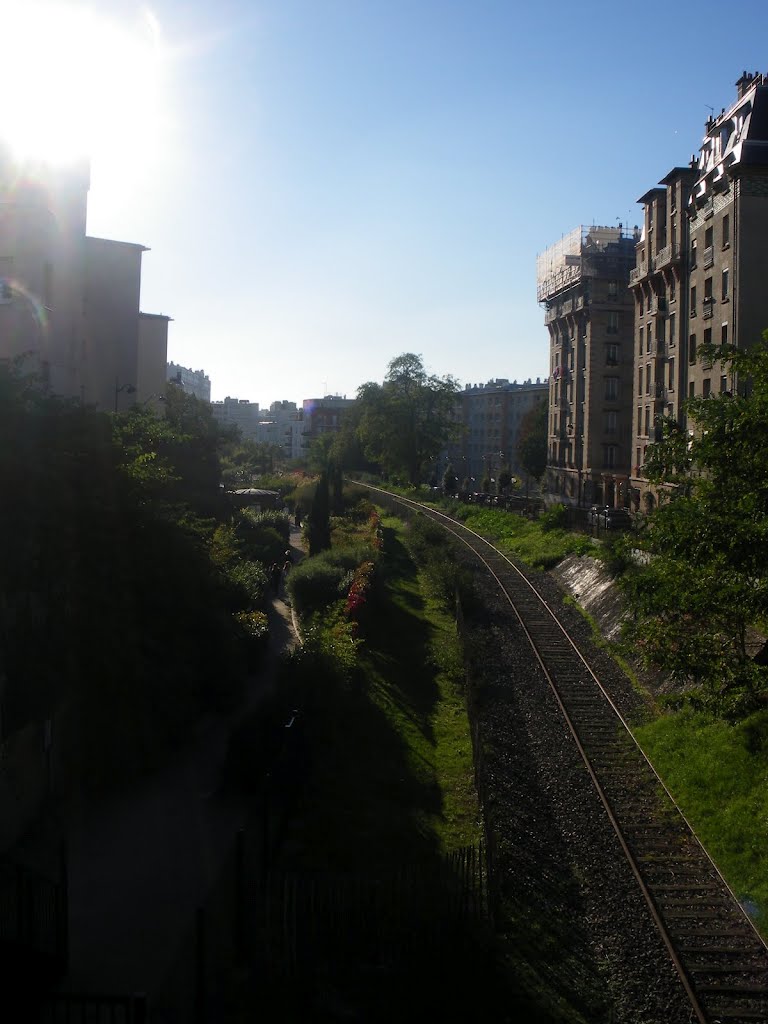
(720, 958)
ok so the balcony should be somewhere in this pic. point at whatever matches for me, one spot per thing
(709, 256)
(708, 209)
(669, 254)
(550, 315)
(639, 272)
(709, 307)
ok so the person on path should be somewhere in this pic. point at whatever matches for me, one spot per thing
(275, 574)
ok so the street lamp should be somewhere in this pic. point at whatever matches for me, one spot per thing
(129, 389)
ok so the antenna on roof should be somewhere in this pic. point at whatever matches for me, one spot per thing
(710, 109)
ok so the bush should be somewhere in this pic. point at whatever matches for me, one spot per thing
(555, 518)
(317, 582)
(249, 580)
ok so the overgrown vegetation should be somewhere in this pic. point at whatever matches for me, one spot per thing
(718, 773)
(120, 576)
(706, 580)
(539, 544)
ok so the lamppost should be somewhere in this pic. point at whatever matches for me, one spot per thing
(129, 389)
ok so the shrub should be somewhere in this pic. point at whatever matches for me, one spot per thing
(555, 518)
(249, 581)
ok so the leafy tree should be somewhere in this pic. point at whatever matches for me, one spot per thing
(450, 481)
(318, 521)
(707, 580)
(504, 479)
(408, 419)
(532, 443)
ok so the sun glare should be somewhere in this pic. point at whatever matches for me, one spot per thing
(75, 83)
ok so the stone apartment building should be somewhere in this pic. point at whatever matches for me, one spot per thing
(489, 417)
(69, 303)
(700, 274)
(659, 287)
(582, 281)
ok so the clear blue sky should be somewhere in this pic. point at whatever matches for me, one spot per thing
(340, 181)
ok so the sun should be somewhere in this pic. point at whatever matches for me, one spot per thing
(75, 83)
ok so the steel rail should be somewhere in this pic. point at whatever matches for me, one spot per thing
(459, 531)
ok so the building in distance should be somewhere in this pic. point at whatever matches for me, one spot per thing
(192, 382)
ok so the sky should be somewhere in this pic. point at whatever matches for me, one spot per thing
(325, 184)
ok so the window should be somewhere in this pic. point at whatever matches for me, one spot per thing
(723, 384)
(671, 375)
(649, 337)
(726, 231)
(613, 323)
(672, 293)
(639, 419)
(613, 289)
(610, 422)
(611, 388)
(724, 334)
(637, 459)
(612, 354)
(642, 303)
(708, 336)
(706, 387)
(691, 390)
(647, 429)
(642, 334)
(708, 289)
(640, 381)
(692, 349)
(693, 255)
(726, 281)
(672, 335)
(708, 237)
(611, 453)
(648, 379)
(693, 300)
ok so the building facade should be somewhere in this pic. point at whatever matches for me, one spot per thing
(582, 282)
(69, 303)
(240, 413)
(193, 382)
(660, 290)
(489, 418)
(700, 274)
(323, 416)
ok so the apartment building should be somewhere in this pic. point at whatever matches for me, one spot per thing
(323, 416)
(240, 413)
(582, 281)
(69, 303)
(193, 382)
(660, 290)
(700, 274)
(489, 417)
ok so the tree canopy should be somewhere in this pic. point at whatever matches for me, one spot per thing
(532, 443)
(407, 419)
(706, 581)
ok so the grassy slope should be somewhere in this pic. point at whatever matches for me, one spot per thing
(525, 538)
(399, 785)
(718, 773)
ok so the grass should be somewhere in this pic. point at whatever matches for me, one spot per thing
(392, 776)
(718, 773)
(525, 538)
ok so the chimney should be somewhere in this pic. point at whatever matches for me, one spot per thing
(744, 83)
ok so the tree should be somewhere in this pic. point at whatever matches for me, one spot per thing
(707, 580)
(318, 521)
(408, 419)
(450, 481)
(532, 444)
